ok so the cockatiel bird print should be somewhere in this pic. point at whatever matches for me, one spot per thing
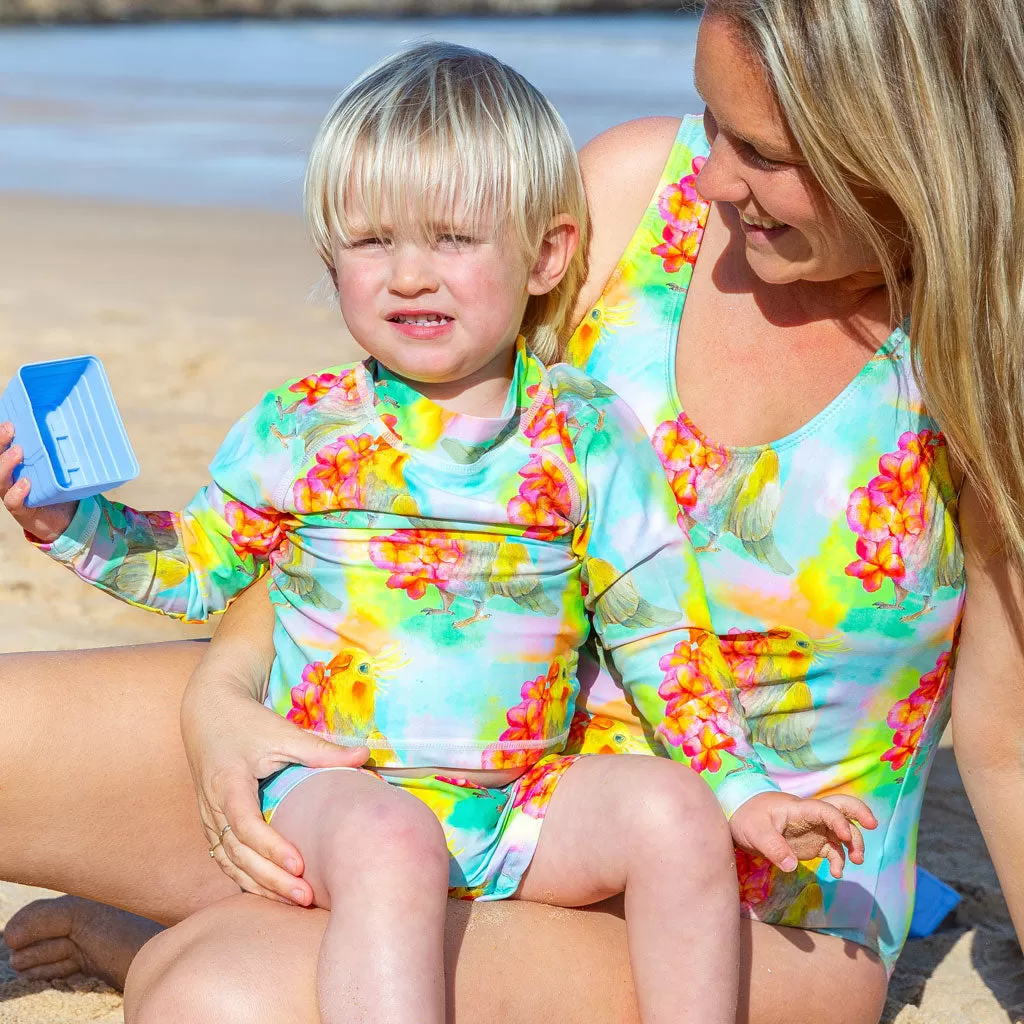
(618, 601)
(725, 492)
(771, 671)
(339, 698)
(604, 319)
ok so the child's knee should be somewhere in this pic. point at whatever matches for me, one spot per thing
(675, 806)
(393, 832)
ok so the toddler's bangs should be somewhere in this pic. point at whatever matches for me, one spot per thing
(405, 182)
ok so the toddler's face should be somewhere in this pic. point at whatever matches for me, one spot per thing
(433, 312)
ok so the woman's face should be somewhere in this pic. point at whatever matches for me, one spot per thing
(792, 231)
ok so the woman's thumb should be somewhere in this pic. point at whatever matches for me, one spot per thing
(315, 752)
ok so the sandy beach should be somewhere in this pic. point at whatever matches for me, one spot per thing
(195, 313)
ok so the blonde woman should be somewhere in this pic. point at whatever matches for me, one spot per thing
(814, 305)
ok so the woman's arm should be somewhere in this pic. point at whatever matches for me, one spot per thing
(988, 699)
(621, 169)
(232, 741)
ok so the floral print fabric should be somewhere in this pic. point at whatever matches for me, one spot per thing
(833, 568)
(434, 575)
(491, 832)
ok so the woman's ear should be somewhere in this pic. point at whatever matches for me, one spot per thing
(556, 252)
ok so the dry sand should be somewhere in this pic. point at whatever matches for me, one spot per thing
(195, 314)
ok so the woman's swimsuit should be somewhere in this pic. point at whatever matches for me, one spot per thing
(833, 567)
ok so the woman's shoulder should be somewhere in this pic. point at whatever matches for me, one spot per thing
(621, 170)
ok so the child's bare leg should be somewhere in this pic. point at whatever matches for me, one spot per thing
(376, 858)
(650, 828)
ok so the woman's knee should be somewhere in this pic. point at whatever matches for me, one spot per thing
(178, 978)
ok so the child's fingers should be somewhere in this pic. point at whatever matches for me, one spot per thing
(836, 859)
(856, 845)
(770, 843)
(9, 462)
(14, 499)
(830, 816)
(854, 809)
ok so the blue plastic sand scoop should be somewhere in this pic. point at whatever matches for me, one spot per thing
(932, 905)
(69, 428)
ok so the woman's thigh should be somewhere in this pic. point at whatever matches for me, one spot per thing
(95, 795)
(247, 959)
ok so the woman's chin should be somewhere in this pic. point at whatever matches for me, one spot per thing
(775, 269)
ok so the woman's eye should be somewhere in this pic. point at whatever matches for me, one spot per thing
(755, 159)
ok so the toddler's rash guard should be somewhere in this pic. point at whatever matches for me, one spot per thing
(435, 574)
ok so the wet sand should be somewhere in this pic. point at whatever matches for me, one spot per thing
(195, 313)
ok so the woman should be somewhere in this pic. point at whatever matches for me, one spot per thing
(860, 163)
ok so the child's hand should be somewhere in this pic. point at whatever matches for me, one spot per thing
(45, 523)
(786, 829)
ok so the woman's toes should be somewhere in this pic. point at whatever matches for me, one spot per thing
(41, 920)
(58, 937)
(48, 958)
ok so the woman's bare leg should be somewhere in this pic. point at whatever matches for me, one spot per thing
(250, 960)
(96, 799)
(95, 796)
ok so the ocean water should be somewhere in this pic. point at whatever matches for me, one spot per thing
(223, 112)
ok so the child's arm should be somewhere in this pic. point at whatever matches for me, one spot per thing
(190, 564)
(650, 611)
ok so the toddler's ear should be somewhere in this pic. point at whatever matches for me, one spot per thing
(557, 249)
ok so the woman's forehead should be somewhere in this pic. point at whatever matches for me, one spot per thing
(730, 79)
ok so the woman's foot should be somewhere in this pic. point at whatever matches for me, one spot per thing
(56, 938)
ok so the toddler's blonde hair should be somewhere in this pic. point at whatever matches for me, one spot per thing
(442, 137)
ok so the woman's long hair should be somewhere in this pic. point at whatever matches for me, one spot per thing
(923, 101)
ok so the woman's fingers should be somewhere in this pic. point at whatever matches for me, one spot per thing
(306, 748)
(260, 850)
(244, 881)
(267, 875)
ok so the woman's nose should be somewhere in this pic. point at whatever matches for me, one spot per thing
(720, 180)
(412, 272)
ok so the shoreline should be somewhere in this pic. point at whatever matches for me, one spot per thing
(35, 12)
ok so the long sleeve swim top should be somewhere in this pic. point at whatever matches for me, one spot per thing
(434, 575)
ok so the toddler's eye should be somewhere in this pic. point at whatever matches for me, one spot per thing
(368, 242)
(454, 241)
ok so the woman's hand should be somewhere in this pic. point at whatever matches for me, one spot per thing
(232, 741)
(786, 829)
(45, 523)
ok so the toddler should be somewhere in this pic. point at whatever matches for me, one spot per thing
(444, 523)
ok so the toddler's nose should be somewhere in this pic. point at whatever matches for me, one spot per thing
(411, 271)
